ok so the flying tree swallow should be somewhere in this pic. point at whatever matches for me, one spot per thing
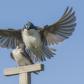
(37, 39)
(20, 55)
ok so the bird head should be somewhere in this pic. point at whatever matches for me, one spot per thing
(21, 45)
(29, 25)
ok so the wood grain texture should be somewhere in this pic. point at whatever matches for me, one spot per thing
(24, 69)
(25, 78)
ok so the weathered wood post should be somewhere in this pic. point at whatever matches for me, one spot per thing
(24, 72)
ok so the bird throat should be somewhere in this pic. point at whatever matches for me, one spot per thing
(32, 39)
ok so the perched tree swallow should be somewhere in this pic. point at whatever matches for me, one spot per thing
(20, 56)
(37, 39)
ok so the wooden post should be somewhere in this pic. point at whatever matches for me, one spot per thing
(25, 78)
(24, 72)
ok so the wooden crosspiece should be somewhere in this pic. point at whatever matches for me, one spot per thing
(24, 72)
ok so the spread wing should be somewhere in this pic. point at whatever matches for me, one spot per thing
(59, 31)
(41, 56)
(9, 38)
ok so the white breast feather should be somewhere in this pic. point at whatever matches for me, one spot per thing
(19, 58)
(32, 40)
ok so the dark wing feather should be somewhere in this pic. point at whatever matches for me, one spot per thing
(45, 53)
(59, 31)
(9, 38)
(27, 56)
(11, 54)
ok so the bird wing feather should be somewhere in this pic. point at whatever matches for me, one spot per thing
(27, 56)
(59, 31)
(11, 54)
(9, 38)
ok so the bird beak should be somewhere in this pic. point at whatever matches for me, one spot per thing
(28, 28)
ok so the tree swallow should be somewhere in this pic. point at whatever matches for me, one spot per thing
(20, 56)
(37, 39)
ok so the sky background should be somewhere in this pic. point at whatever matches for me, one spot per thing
(67, 66)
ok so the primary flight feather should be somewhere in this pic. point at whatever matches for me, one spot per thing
(37, 39)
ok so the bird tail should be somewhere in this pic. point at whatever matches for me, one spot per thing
(44, 53)
(35, 73)
(47, 52)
